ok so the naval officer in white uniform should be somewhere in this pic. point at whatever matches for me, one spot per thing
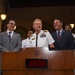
(41, 38)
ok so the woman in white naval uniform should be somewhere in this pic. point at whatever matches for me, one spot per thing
(26, 42)
(41, 38)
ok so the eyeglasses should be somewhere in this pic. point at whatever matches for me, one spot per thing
(12, 23)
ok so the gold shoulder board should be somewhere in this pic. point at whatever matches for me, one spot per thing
(45, 30)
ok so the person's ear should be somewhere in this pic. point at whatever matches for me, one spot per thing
(7, 25)
(33, 26)
(61, 23)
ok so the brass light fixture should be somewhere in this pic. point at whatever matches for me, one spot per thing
(3, 16)
(71, 18)
(72, 25)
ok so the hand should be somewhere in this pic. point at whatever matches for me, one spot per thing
(23, 49)
(52, 46)
(7, 51)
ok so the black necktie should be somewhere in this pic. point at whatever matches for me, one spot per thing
(9, 36)
(58, 36)
(36, 40)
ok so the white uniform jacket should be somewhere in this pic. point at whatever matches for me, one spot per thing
(26, 43)
(44, 39)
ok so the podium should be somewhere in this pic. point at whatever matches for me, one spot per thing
(55, 62)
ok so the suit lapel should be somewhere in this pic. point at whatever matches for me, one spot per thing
(13, 36)
(6, 36)
(56, 36)
(62, 35)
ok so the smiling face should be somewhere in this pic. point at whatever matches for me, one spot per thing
(37, 25)
(57, 24)
(11, 25)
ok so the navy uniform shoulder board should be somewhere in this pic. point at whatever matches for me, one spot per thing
(45, 31)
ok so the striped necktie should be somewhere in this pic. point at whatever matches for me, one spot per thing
(58, 36)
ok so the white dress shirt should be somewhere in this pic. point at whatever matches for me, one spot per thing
(11, 33)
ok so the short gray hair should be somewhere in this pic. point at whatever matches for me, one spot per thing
(37, 20)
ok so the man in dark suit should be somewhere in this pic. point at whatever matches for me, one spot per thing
(63, 39)
(9, 40)
(69, 28)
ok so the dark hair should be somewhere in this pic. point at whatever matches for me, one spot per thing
(59, 20)
(10, 20)
(68, 25)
